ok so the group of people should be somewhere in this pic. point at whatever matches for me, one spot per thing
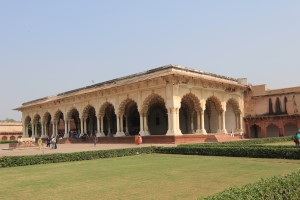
(297, 138)
(52, 142)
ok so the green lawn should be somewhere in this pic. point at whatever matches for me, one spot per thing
(288, 143)
(138, 177)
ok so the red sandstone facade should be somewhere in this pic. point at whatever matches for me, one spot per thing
(272, 113)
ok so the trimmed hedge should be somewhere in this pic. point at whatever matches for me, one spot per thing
(8, 141)
(14, 161)
(287, 187)
(250, 152)
(251, 142)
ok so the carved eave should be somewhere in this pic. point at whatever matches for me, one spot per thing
(152, 78)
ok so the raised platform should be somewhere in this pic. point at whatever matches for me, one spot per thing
(155, 139)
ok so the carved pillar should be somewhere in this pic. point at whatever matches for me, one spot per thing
(101, 132)
(121, 124)
(66, 135)
(33, 130)
(223, 122)
(141, 125)
(119, 132)
(126, 121)
(81, 125)
(53, 129)
(192, 122)
(241, 122)
(173, 117)
(24, 130)
(84, 125)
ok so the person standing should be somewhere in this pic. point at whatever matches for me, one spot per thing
(241, 134)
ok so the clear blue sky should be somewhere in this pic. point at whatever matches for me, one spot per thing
(52, 46)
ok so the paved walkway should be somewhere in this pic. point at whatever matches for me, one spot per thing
(69, 148)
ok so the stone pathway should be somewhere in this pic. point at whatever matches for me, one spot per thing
(69, 148)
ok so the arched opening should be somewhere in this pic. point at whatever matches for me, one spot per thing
(232, 115)
(290, 129)
(60, 124)
(73, 123)
(28, 126)
(131, 117)
(12, 138)
(89, 115)
(272, 131)
(4, 138)
(48, 124)
(109, 119)
(37, 126)
(156, 114)
(255, 131)
(188, 114)
(212, 115)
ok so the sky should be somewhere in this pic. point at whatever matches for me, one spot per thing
(53, 46)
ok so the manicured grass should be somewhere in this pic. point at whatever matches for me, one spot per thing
(288, 143)
(151, 176)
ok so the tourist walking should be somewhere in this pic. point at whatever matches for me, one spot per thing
(297, 138)
(48, 142)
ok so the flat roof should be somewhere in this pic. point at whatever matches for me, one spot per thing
(129, 77)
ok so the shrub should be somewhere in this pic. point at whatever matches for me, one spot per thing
(251, 142)
(8, 141)
(287, 187)
(14, 161)
(251, 152)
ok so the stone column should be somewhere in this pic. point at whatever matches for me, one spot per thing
(119, 132)
(223, 122)
(101, 126)
(46, 131)
(24, 131)
(141, 125)
(53, 129)
(220, 123)
(84, 125)
(56, 129)
(192, 122)
(121, 124)
(127, 129)
(203, 131)
(81, 126)
(173, 117)
(33, 131)
(43, 131)
(237, 124)
(241, 122)
(66, 135)
(98, 127)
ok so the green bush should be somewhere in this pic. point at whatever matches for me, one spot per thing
(8, 141)
(14, 161)
(251, 152)
(252, 142)
(287, 187)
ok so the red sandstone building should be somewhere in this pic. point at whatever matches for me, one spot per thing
(10, 130)
(272, 113)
